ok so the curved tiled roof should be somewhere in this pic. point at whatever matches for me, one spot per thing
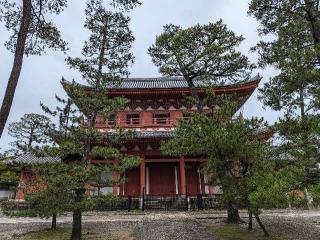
(165, 83)
(31, 159)
(161, 82)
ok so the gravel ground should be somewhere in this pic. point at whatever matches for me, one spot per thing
(173, 230)
(297, 225)
(13, 231)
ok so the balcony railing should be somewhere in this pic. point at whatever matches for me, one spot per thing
(165, 121)
(132, 121)
(138, 122)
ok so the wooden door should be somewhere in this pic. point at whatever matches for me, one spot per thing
(162, 179)
(192, 180)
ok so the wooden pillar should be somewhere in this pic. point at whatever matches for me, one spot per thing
(182, 176)
(116, 178)
(142, 175)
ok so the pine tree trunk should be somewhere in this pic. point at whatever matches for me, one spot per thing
(191, 85)
(312, 15)
(54, 221)
(194, 93)
(261, 225)
(77, 216)
(250, 221)
(76, 225)
(233, 214)
(17, 64)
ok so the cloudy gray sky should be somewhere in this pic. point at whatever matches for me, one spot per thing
(40, 75)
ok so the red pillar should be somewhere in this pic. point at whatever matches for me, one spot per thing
(116, 177)
(182, 177)
(142, 175)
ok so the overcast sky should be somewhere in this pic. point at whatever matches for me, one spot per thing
(41, 75)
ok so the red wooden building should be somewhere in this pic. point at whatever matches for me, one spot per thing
(156, 106)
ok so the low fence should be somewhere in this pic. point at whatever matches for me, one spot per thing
(201, 202)
(8, 206)
(165, 203)
(124, 203)
(147, 202)
(180, 203)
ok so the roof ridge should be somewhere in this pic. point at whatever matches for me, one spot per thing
(169, 82)
(180, 78)
(136, 79)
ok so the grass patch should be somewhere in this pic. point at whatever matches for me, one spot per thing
(57, 234)
(235, 232)
(136, 233)
(64, 234)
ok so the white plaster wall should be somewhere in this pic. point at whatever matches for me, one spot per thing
(6, 193)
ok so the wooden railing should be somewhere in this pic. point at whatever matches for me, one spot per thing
(138, 122)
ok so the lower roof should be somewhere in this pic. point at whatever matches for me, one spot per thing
(29, 158)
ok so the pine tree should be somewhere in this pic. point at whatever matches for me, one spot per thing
(32, 33)
(286, 16)
(63, 186)
(206, 52)
(29, 132)
(235, 148)
(49, 202)
(294, 51)
(105, 59)
(9, 177)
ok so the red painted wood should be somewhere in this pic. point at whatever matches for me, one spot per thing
(162, 179)
(27, 184)
(142, 176)
(172, 160)
(132, 184)
(182, 175)
(192, 180)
